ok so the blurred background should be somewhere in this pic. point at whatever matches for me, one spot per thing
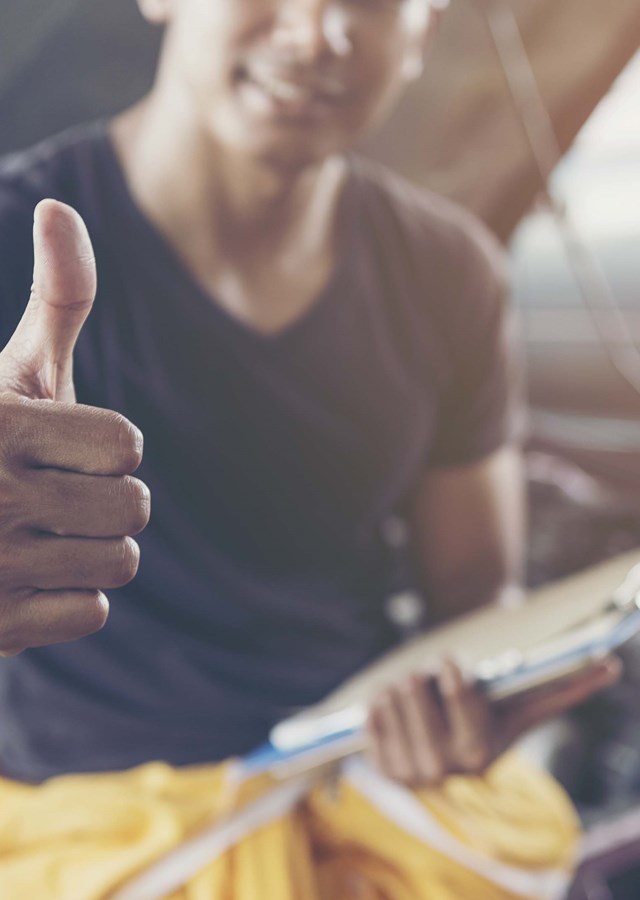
(474, 128)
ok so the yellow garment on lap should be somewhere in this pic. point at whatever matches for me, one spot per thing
(83, 837)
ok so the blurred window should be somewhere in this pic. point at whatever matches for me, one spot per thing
(599, 181)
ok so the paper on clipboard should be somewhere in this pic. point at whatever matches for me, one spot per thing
(579, 608)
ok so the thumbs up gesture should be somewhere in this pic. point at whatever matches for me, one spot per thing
(68, 503)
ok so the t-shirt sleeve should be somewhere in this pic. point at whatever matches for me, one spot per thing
(481, 407)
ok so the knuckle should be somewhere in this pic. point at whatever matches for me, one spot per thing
(92, 616)
(16, 423)
(61, 617)
(137, 501)
(41, 619)
(125, 562)
(129, 441)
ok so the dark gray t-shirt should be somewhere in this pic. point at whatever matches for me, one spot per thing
(274, 462)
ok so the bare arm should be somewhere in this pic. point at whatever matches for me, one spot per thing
(468, 533)
(468, 537)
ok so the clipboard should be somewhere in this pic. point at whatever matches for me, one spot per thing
(557, 631)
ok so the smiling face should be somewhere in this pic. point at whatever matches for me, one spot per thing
(294, 80)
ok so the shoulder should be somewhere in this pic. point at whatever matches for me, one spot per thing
(447, 250)
(57, 168)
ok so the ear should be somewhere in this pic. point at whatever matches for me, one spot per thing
(156, 11)
(424, 27)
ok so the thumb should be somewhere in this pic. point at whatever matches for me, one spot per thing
(38, 360)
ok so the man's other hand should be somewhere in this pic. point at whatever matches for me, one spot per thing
(68, 503)
(436, 725)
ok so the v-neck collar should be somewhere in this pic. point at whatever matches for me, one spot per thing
(174, 271)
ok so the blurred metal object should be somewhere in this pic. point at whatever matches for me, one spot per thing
(546, 152)
(524, 89)
(459, 134)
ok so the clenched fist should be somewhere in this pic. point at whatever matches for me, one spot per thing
(68, 503)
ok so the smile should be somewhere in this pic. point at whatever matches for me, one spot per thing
(289, 92)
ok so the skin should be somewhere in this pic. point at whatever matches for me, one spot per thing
(245, 190)
(468, 532)
(69, 501)
(258, 186)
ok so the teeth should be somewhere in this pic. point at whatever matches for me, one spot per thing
(284, 90)
(287, 91)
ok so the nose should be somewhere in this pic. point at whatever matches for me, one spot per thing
(313, 29)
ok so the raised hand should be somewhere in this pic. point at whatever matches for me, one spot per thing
(68, 503)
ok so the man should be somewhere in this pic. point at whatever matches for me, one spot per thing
(311, 349)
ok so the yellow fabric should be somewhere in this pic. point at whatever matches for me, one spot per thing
(81, 837)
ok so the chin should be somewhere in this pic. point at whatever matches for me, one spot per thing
(279, 145)
(293, 156)
(287, 152)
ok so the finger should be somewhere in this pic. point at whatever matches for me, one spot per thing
(56, 563)
(74, 505)
(375, 739)
(38, 433)
(392, 741)
(52, 617)
(39, 355)
(551, 702)
(469, 718)
(426, 730)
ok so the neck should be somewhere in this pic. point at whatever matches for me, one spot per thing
(228, 203)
